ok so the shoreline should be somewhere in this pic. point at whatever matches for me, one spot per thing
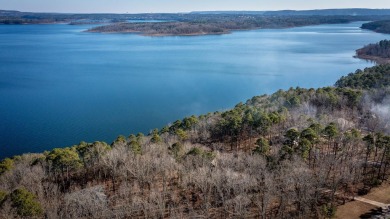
(157, 34)
(376, 59)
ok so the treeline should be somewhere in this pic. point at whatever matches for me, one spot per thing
(16, 17)
(382, 26)
(297, 153)
(369, 78)
(162, 28)
(322, 12)
(330, 12)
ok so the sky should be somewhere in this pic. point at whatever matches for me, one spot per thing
(141, 6)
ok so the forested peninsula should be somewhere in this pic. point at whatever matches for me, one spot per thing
(377, 52)
(218, 25)
(297, 153)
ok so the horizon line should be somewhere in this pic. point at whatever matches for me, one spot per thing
(187, 12)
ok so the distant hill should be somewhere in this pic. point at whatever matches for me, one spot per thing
(18, 17)
(324, 12)
(230, 12)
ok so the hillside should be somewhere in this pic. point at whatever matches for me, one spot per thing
(332, 12)
(321, 12)
(297, 153)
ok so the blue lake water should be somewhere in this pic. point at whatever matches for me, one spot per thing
(60, 86)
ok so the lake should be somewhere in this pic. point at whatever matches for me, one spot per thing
(60, 85)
